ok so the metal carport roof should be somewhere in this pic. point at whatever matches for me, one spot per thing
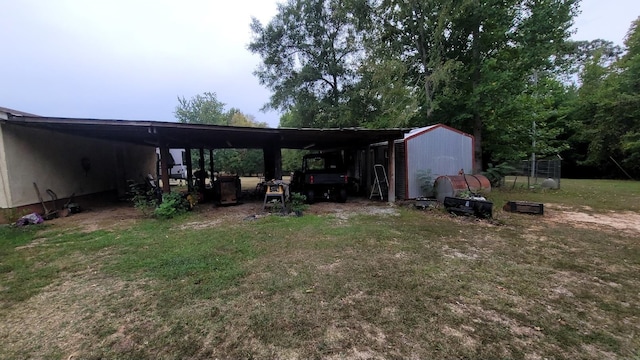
(180, 135)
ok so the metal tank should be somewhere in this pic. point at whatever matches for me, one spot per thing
(452, 185)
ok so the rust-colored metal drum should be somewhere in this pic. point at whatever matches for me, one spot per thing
(452, 185)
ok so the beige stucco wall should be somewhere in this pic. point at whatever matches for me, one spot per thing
(5, 194)
(53, 161)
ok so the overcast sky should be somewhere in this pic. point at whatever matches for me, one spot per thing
(131, 59)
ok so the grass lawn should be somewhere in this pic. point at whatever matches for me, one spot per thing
(361, 282)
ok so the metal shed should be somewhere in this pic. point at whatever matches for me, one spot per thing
(438, 148)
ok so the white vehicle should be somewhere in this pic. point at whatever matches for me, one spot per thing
(176, 162)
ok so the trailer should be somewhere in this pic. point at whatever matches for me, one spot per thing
(176, 163)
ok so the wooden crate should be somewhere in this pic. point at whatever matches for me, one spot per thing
(524, 207)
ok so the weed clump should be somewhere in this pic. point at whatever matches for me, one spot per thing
(173, 204)
(164, 206)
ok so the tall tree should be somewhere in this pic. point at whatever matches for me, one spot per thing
(310, 53)
(609, 108)
(207, 109)
(413, 32)
(630, 101)
(201, 109)
(474, 58)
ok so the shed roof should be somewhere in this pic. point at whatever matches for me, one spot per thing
(420, 131)
(180, 135)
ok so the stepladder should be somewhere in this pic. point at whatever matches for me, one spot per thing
(380, 186)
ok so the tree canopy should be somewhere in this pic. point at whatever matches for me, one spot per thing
(607, 109)
(207, 109)
(389, 63)
(311, 52)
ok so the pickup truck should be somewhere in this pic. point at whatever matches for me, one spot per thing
(323, 176)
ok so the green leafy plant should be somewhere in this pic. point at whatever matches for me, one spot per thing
(145, 202)
(425, 179)
(173, 204)
(297, 203)
(276, 206)
(496, 174)
(464, 194)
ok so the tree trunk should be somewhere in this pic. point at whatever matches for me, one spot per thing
(477, 144)
(477, 119)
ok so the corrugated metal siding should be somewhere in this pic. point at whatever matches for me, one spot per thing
(401, 187)
(442, 150)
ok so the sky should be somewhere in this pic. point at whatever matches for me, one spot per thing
(132, 59)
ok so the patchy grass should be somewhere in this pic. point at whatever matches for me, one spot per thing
(600, 195)
(354, 283)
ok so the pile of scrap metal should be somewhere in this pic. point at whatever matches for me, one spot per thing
(476, 206)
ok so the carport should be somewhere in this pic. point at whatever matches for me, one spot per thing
(167, 135)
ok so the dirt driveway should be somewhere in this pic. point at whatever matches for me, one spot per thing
(122, 215)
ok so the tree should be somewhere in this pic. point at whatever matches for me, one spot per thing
(629, 101)
(380, 63)
(413, 32)
(201, 109)
(606, 113)
(206, 109)
(578, 54)
(474, 58)
(310, 53)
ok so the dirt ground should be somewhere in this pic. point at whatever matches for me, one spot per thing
(626, 221)
(122, 215)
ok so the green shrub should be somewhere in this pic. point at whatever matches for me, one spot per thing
(297, 202)
(173, 204)
(496, 174)
(146, 202)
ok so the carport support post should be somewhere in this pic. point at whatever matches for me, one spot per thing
(392, 171)
(272, 162)
(187, 152)
(203, 174)
(164, 167)
(211, 164)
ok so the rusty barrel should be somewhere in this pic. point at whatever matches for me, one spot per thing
(452, 185)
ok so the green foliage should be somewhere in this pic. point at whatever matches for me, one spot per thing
(490, 68)
(383, 99)
(206, 109)
(465, 194)
(173, 204)
(425, 179)
(275, 206)
(292, 159)
(297, 202)
(395, 63)
(607, 111)
(145, 202)
(239, 161)
(310, 54)
(201, 109)
(496, 174)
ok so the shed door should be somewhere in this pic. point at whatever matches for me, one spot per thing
(401, 188)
